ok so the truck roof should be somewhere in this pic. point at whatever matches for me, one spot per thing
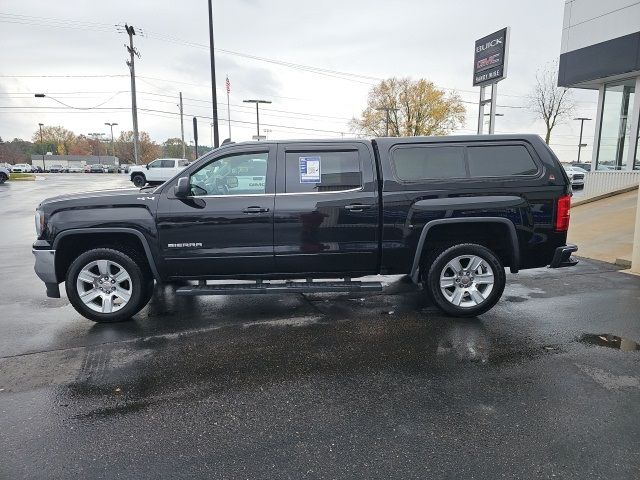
(384, 141)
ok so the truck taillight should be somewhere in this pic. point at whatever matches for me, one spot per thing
(563, 208)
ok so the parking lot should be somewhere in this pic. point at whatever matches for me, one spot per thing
(316, 386)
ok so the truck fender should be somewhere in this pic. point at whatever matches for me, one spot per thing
(515, 247)
(141, 237)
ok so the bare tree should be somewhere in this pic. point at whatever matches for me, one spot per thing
(551, 103)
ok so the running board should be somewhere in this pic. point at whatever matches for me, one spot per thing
(275, 288)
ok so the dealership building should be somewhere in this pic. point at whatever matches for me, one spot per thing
(601, 51)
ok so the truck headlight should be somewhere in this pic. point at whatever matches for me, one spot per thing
(39, 219)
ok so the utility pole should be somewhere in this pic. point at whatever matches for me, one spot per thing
(228, 87)
(387, 110)
(184, 153)
(214, 97)
(134, 107)
(580, 144)
(113, 150)
(257, 102)
(195, 136)
(41, 144)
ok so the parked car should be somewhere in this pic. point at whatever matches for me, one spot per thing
(576, 175)
(585, 166)
(110, 169)
(124, 168)
(96, 168)
(55, 169)
(156, 172)
(87, 169)
(21, 168)
(4, 174)
(450, 212)
(36, 169)
(75, 169)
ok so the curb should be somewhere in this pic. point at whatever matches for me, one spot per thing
(604, 195)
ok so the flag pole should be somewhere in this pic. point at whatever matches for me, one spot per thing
(228, 108)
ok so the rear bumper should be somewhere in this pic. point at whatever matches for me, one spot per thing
(562, 257)
(45, 268)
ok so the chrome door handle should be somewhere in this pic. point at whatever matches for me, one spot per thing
(356, 207)
(255, 210)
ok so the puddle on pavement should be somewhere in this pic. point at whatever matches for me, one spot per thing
(611, 341)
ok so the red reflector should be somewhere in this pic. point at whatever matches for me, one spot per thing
(563, 208)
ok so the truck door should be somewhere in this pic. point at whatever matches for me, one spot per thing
(225, 226)
(326, 209)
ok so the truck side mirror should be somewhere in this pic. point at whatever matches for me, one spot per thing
(147, 166)
(181, 190)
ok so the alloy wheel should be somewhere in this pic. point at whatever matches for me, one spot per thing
(104, 286)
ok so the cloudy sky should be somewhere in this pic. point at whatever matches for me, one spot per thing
(316, 62)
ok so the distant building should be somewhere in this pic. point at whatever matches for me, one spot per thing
(72, 160)
(601, 51)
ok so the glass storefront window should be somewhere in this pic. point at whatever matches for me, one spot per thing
(615, 126)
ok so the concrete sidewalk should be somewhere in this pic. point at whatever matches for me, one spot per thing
(603, 230)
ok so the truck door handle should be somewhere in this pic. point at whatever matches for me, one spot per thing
(255, 209)
(356, 207)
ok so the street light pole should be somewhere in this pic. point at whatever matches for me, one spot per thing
(111, 125)
(41, 144)
(257, 102)
(580, 144)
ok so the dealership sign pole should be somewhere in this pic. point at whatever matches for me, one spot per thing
(489, 67)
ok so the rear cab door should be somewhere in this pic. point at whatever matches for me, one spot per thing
(326, 209)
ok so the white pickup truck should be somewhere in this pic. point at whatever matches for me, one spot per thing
(156, 172)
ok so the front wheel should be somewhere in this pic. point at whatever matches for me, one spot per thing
(107, 285)
(139, 181)
(466, 280)
(3, 178)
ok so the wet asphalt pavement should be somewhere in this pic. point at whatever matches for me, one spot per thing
(316, 386)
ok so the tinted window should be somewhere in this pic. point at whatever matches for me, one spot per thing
(322, 171)
(234, 175)
(500, 161)
(168, 163)
(183, 163)
(155, 164)
(424, 162)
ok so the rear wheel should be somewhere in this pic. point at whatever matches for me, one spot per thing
(107, 285)
(466, 280)
(3, 178)
(138, 180)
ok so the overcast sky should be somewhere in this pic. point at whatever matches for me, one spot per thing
(366, 39)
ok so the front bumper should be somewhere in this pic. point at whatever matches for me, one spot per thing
(45, 268)
(562, 257)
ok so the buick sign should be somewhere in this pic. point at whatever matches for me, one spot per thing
(490, 58)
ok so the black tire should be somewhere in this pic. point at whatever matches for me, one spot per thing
(443, 302)
(139, 180)
(141, 284)
(3, 178)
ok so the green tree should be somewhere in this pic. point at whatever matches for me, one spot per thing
(172, 148)
(414, 108)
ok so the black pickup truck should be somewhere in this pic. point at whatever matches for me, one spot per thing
(450, 212)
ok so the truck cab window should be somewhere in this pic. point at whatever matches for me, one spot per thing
(240, 174)
(155, 164)
(322, 171)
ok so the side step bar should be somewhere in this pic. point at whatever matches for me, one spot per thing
(275, 288)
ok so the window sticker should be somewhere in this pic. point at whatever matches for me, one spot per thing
(309, 169)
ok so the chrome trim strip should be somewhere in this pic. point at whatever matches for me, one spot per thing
(361, 189)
